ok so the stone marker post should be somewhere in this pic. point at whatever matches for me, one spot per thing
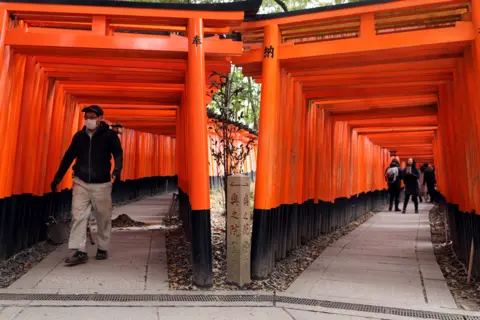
(239, 231)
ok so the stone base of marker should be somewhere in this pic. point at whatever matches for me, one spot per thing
(239, 229)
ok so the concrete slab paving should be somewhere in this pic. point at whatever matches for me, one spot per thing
(9, 313)
(131, 266)
(215, 313)
(70, 312)
(387, 263)
(91, 313)
(136, 263)
(312, 315)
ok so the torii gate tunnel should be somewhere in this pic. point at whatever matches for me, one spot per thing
(342, 86)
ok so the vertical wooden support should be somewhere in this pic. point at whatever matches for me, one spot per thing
(367, 26)
(471, 83)
(53, 89)
(14, 114)
(199, 192)
(318, 152)
(266, 148)
(23, 154)
(354, 165)
(100, 25)
(475, 10)
(4, 66)
(460, 114)
(178, 150)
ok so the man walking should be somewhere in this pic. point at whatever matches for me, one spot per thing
(430, 180)
(393, 176)
(92, 148)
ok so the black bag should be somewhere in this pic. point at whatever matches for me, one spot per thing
(57, 231)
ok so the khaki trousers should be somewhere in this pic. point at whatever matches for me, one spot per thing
(88, 196)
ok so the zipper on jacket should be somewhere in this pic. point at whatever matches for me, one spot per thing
(90, 159)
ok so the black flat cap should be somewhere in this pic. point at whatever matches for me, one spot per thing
(95, 109)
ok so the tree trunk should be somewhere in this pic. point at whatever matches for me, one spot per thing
(251, 102)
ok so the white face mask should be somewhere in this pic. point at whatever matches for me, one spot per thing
(90, 124)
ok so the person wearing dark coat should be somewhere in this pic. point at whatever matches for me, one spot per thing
(429, 180)
(394, 185)
(410, 179)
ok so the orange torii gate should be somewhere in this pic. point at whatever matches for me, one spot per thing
(145, 64)
(341, 87)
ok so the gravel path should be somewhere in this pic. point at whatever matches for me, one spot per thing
(15, 267)
(466, 295)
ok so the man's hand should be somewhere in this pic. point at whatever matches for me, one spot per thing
(115, 176)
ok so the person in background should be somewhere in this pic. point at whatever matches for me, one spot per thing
(422, 187)
(92, 148)
(430, 181)
(393, 176)
(410, 177)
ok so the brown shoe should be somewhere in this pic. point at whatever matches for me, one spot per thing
(78, 257)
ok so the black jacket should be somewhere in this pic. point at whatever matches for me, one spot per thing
(429, 176)
(411, 180)
(398, 183)
(93, 155)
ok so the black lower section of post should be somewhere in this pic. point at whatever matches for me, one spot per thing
(278, 231)
(197, 228)
(463, 227)
(201, 248)
(260, 249)
(23, 217)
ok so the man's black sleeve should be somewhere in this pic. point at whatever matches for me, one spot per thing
(116, 148)
(67, 160)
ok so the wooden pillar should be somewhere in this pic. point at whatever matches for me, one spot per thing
(4, 22)
(261, 242)
(475, 9)
(199, 193)
(100, 25)
(4, 64)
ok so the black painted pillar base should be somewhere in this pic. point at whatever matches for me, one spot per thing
(201, 248)
(260, 248)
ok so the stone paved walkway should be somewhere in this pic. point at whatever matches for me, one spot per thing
(387, 261)
(150, 210)
(173, 313)
(137, 259)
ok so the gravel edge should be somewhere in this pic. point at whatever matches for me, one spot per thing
(467, 296)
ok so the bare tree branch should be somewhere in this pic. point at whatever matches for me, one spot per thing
(282, 4)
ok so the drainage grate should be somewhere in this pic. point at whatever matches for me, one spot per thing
(375, 309)
(234, 298)
(136, 297)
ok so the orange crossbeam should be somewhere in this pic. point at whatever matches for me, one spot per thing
(172, 44)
